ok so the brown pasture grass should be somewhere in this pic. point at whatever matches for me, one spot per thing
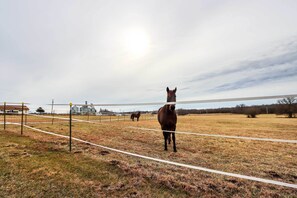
(43, 168)
(270, 160)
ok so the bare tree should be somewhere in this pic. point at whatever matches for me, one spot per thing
(240, 109)
(287, 106)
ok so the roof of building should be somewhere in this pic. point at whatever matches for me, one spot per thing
(13, 107)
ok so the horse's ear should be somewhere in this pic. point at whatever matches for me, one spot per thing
(175, 90)
(167, 89)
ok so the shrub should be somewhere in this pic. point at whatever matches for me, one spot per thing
(251, 112)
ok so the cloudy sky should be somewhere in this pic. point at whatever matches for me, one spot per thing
(130, 51)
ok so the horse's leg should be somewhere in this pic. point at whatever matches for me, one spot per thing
(169, 138)
(165, 140)
(173, 139)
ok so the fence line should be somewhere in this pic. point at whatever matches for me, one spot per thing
(267, 181)
(79, 120)
(6, 105)
(189, 133)
(51, 117)
(216, 135)
(48, 122)
(189, 101)
(68, 119)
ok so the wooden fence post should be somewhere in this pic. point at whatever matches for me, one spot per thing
(4, 115)
(52, 110)
(22, 119)
(70, 126)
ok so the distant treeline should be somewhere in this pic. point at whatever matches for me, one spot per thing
(239, 109)
(285, 106)
(243, 109)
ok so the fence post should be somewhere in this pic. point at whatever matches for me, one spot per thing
(52, 110)
(4, 108)
(53, 116)
(70, 126)
(22, 120)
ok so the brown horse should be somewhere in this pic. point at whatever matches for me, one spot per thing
(135, 115)
(167, 118)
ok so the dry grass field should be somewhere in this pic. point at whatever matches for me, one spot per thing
(37, 164)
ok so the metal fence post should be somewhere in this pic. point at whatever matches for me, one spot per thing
(4, 108)
(70, 126)
(22, 120)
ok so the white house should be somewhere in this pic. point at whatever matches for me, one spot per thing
(14, 109)
(88, 109)
(75, 110)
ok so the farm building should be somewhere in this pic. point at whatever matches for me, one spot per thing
(84, 110)
(75, 109)
(15, 109)
(88, 110)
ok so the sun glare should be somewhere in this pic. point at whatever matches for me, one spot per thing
(136, 42)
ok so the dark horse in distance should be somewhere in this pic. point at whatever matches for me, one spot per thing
(135, 115)
(167, 118)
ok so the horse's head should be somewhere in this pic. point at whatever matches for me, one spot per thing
(171, 97)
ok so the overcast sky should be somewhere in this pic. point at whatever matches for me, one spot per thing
(130, 51)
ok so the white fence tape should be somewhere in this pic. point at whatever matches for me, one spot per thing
(191, 101)
(48, 122)
(267, 181)
(51, 117)
(78, 120)
(190, 133)
(215, 135)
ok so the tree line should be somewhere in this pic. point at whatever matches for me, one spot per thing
(285, 106)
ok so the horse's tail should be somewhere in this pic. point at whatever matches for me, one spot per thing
(132, 116)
